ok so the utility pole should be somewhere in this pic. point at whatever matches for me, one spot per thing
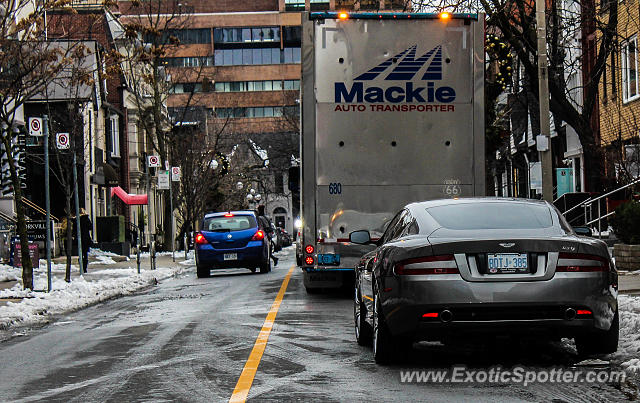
(76, 200)
(543, 100)
(47, 201)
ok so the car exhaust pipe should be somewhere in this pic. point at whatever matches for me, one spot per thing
(446, 316)
(570, 314)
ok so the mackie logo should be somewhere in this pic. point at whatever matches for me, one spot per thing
(407, 68)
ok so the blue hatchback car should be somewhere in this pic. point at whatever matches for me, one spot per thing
(231, 239)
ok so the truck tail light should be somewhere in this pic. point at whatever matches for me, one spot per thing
(258, 236)
(442, 264)
(308, 260)
(581, 263)
(309, 249)
(200, 239)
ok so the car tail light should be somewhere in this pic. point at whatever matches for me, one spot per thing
(442, 264)
(308, 260)
(258, 236)
(309, 249)
(584, 312)
(228, 215)
(430, 315)
(200, 239)
(580, 263)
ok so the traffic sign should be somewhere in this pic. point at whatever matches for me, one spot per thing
(62, 141)
(153, 161)
(35, 126)
(163, 180)
(175, 174)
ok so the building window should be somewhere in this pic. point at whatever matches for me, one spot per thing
(239, 57)
(247, 35)
(319, 5)
(630, 69)
(184, 36)
(293, 5)
(189, 61)
(114, 131)
(255, 112)
(264, 85)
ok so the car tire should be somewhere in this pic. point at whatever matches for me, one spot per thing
(602, 342)
(265, 267)
(203, 272)
(253, 269)
(363, 329)
(387, 349)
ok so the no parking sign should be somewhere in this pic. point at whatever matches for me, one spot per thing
(153, 161)
(62, 141)
(35, 126)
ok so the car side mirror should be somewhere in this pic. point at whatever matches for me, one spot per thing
(584, 231)
(360, 237)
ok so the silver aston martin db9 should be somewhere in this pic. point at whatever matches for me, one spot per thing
(446, 269)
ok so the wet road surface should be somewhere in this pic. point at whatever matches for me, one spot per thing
(188, 339)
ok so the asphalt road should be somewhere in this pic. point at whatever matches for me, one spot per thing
(189, 339)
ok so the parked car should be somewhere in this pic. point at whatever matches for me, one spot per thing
(478, 267)
(286, 237)
(276, 238)
(231, 239)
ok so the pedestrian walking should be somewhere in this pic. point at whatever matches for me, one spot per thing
(265, 224)
(85, 234)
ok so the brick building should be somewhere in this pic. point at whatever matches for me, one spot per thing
(619, 97)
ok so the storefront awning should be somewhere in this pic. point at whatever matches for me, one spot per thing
(130, 199)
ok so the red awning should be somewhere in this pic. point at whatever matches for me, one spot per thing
(127, 198)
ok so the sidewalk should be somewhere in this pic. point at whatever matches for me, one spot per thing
(106, 278)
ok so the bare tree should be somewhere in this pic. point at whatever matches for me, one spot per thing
(28, 64)
(153, 29)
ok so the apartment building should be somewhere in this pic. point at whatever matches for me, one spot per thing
(620, 96)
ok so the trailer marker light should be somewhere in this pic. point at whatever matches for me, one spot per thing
(445, 16)
(308, 260)
(309, 249)
(584, 312)
(343, 16)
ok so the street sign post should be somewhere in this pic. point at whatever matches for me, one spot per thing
(153, 161)
(62, 141)
(163, 180)
(175, 174)
(35, 126)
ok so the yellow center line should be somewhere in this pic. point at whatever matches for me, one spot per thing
(245, 381)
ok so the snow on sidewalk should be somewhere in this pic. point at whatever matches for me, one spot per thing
(99, 285)
(629, 344)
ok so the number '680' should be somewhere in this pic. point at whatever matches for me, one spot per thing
(335, 188)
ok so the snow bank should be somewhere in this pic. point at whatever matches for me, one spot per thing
(629, 344)
(9, 273)
(37, 307)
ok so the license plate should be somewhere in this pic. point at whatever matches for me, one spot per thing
(328, 259)
(507, 263)
(230, 256)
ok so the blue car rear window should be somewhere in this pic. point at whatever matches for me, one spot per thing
(226, 224)
(479, 215)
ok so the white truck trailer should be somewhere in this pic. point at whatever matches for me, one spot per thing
(392, 113)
